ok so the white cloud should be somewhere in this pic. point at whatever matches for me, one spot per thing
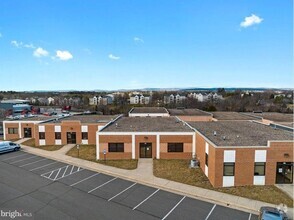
(31, 46)
(20, 44)
(16, 44)
(111, 56)
(64, 55)
(40, 52)
(137, 39)
(251, 20)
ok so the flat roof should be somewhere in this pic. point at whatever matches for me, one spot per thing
(147, 124)
(275, 116)
(146, 110)
(232, 116)
(84, 119)
(240, 133)
(34, 118)
(188, 111)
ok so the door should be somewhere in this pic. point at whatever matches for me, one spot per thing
(27, 132)
(284, 172)
(145, 150)
(71, 137)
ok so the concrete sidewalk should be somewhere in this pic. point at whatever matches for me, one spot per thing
(144, 175)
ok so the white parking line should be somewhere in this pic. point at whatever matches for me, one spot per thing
(50, 175)
(36, 168)
(145, 199)
(249, 216)
(102, 184)
(71, 169)
(14, 157)
(84, 179)
(33, 162)
(66, 170)
(53, 170)
(23, 159)
(57, 173)
(210, 212)
(173, 208)
(121, 192)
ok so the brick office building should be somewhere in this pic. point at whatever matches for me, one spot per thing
(146, 137)
(77, 129)
(23, 127)
(237, 153)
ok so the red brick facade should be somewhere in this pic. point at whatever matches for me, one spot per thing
(244, 161)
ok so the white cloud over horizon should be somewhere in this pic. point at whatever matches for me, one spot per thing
(20, 44)
(112, 57)
(63, 55)
(137, 39)
(251, 20)
(40, 52)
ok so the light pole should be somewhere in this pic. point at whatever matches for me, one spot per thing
(78, 148)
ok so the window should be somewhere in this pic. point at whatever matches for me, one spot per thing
(57, 135)
(206, 159)
(229, 169)
(12, 130)
(85, 135)
(175, 147)
(116, 147)
(41, 135)
(259, 169)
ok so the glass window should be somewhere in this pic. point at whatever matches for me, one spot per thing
(85, 135)
(259, 169)
(57, 135)
(41, 135)
(12, 130)
(175, 147)
(206, 159)
(116, 147)
(229, 169)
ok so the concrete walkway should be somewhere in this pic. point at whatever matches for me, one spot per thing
(287, 188)
(144, 175)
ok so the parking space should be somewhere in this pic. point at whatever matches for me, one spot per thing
(137, 199)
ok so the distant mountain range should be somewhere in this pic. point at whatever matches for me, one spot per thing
(170, 89)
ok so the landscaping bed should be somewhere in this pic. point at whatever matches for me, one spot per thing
(88, 152)
(179, 171)
(31, 143)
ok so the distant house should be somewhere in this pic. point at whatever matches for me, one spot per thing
(203, 97)
(170, 99)
(105, 100)
(50, 100)
(140, 99)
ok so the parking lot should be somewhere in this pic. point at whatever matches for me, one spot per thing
(49, 189)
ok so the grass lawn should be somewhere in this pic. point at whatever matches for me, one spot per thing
(88, 152)
(31, 143)
(179, 171)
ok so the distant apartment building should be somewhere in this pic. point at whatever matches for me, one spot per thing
(140, 99)
(203, 97)
(174, 99)
(101, 100)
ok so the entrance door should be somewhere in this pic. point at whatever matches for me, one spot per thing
(27, 132)
(71, 137)
(284, 172)
(145, 150)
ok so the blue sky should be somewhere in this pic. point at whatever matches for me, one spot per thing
(128, 44)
